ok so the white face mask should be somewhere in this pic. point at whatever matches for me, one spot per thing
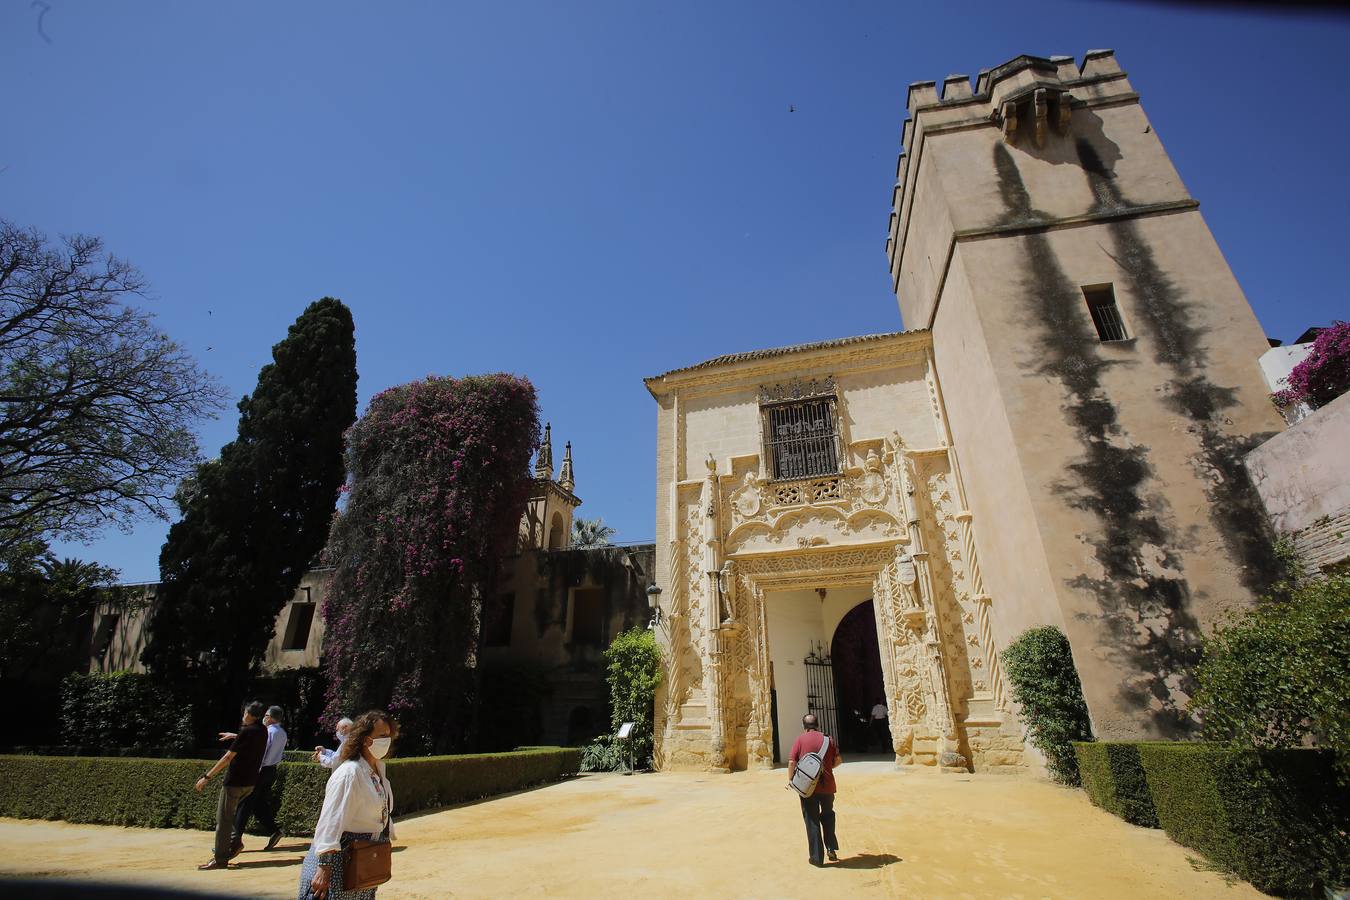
(380, 746)
(341, 737)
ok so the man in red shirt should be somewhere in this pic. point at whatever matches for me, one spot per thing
(818, 809)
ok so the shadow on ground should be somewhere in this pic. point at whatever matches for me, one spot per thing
(866, 861)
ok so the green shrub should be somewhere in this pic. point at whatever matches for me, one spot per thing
(150, 793)
(1275, 818)
(157, 793)
(1114, 780)
(633, 669)
(123, 709)
(605, 754)
(1275, 676)
(1045, 685)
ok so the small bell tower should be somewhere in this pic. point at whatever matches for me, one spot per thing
(547, 523)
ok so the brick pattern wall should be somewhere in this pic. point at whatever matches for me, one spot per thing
(1325, 544)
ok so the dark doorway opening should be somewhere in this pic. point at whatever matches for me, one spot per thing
(858, 682)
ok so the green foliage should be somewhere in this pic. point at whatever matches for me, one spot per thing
(157, 793)
(255, 519)
(605, 754)
(97, 406)
(590, 533)
(1114, 780)
(439, 479)
(428, 782)
(1273, 818)
(123, 710)
(1045, 685)
(47, 607)
(633, 669)
(1276, 675)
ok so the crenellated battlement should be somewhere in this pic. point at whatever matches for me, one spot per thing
(1029, 98)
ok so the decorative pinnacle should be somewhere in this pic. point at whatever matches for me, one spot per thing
(565, 480)
(543, 466)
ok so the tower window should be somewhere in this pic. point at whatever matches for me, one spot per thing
(1101, 301)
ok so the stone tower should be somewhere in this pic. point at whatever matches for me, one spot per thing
(1097, 361)
(547, 523)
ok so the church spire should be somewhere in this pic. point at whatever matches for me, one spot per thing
(565, 480)
(543, 466)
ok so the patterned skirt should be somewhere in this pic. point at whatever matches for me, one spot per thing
(335, 891)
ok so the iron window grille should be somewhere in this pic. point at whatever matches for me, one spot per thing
(1101, 303)
(801, 436)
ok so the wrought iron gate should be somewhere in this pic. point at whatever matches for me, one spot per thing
(820, 696)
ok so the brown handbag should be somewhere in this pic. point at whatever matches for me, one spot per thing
(367, 865)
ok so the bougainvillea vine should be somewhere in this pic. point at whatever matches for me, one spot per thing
(1324, 374)
(438, 480)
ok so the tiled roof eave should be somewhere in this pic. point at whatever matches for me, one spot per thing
(732, 359)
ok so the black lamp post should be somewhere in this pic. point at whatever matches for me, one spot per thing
(654, 604)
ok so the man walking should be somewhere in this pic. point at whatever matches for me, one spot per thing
(243, 760)
(818, 809)
(259, 803)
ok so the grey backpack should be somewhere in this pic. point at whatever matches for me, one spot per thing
(807, 774)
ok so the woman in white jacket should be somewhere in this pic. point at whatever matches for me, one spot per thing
(357, 805)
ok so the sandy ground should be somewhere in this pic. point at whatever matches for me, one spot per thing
(901, 834)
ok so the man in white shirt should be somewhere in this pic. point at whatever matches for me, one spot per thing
(881, 726)
(329, 758)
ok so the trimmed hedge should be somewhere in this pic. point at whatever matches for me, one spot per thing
(1114, 780)
(1277, 818)
(157, 793)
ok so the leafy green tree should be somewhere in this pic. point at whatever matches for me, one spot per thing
(47, 609)
(97, 405)
(1044, 682)
(255, 519)
(1276, 675)
(439, 479)
(590, 533)
(47, 606)
(633, 670)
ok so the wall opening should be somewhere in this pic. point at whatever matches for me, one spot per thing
(858, 682)
(557, 532)
(1101, 301)
(297, 626)
(588, 616)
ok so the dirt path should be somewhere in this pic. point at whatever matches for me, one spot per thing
(906, 834)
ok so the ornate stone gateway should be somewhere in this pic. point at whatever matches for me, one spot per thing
(742, 537)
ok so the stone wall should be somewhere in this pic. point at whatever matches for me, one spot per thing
(1303, 477)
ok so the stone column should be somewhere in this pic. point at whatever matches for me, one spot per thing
(941, 712)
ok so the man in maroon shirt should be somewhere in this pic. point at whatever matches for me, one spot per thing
(818, 809)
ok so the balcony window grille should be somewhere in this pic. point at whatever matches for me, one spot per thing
(1101, 303)
(801, 438)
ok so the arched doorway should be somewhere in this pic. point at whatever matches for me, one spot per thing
(857, 678)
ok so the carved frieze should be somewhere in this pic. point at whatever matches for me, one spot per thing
(797, 389)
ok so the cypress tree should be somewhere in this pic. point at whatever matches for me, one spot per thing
(254, 520)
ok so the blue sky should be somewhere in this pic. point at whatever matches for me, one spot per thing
(589, 193)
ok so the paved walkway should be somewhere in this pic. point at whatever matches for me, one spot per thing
(902, 834)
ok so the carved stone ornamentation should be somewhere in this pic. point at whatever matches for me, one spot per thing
(797, 389)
